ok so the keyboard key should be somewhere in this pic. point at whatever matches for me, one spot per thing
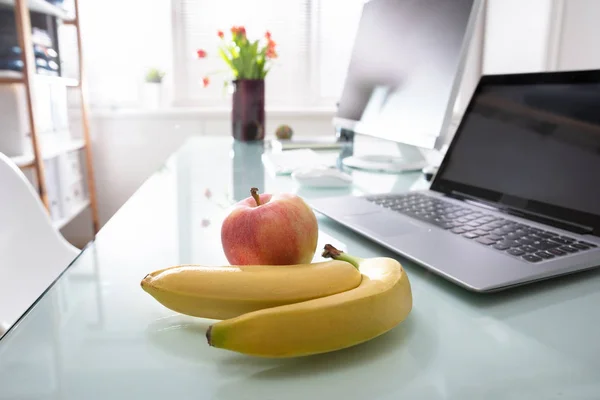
(470, 235)
(568, 249)
(543, 235)
(516, 252)
(486, 228)
(557, 252)
(531, 258)
(562, 240)
(480, 232)
(509, 243)
(528, 249)
(544, 254)
(524, 240)
(467, 228)
(463, 219)
(486, 241)
(580, 246)
(457, 230)
(506, 230)
(502, 246)
(474, 223)
(569, 239)
(587, 244)
(544, 245)
(494, 237)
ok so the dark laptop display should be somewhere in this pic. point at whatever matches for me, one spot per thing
(517, 197)
(531, 143)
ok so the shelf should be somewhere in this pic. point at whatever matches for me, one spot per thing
(7, 76)
(60, 223)
(23, 161)
(49, 150)
(40, 6)
(69, 82)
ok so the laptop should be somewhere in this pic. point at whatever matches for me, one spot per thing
(516, 198)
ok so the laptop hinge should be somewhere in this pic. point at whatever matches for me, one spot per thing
(544, 219)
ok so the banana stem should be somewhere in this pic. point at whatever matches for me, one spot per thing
(331, 252)
(254, 193)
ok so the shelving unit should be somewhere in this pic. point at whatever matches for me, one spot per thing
(7, 76)
(61, 222)
(43, 7)
(27, 160)
(43, 150)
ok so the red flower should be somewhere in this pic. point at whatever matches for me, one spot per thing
(271, 53)
(201, 53)
(205, 81)
(268, 35)
(238, 31)
(220, 34)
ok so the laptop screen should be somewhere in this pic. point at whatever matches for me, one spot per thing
(531, 142)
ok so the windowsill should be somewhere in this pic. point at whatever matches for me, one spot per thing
(208, 112)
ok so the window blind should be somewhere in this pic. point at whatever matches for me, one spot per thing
(314, 41)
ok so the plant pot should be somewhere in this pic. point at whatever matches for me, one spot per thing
(152, 94)
(248, 110)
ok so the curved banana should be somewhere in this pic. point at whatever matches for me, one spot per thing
(226, 292)
(381, 301)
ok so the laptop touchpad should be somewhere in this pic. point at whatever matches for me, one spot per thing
(382, 224)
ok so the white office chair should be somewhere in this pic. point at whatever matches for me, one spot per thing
(32, 252)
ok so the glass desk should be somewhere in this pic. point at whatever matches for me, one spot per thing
(96, 335)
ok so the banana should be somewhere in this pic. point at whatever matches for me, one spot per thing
(381, 301)
(230, 291)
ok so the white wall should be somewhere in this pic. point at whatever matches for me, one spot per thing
(579, 47)
(516, 35)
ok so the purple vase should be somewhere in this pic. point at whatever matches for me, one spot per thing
(248, 111)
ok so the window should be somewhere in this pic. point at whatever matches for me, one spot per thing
(314, 42)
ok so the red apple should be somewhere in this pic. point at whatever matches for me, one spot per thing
(270, 230)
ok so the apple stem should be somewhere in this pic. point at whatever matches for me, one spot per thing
(254, 193)
(331, 252)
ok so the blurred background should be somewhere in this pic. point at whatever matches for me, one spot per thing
(135, 125)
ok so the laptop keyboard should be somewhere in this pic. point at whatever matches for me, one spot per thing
(509, 237)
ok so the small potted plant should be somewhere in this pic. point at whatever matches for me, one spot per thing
(152, 96)
(249, 62)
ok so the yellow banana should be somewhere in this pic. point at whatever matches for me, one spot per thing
(381, 301)
(226, 292)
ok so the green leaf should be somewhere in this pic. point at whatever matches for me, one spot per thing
(226, 58)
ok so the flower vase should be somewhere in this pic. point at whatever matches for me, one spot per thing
(248, 110)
